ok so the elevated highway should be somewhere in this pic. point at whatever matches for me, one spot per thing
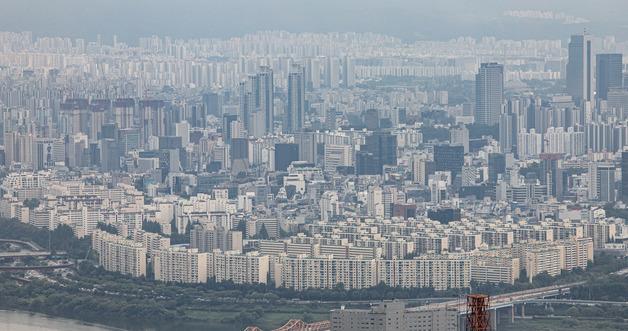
(510, 299)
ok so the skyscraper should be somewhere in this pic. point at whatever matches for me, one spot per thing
(380, 149)
(155, 119)
(256, 102)
(247, 104)
(579, 69)
(606, 182)
(386, 147)
(284, 155)
(552, 173)
(496, 166)
(507, 132)
(123, 112)
(332, 73)
(213, 105)
(307, 146)
(489, 93)
(264, 97)
(348, 72)
(295, 112)
(608, 74)
(449, 158)
(624, 176)
(313, 74)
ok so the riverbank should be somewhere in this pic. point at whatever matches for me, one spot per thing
(141, 306)
(19, 320)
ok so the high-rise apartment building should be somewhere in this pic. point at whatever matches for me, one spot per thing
(180, 265)
(257, 102)
(348, 72)
(117, 254)
(332, 73)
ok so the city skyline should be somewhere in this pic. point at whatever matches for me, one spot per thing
(414, 20)
(459, 165)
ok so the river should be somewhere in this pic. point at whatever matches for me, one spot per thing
(24, 321)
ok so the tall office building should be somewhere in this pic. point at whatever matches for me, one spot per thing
(213, 106)
(624, 176)
(609, 74)
(381, 149)
(110, 154)
(579, 69)
(284, 155)
(295, 111)
(605, 182)
(552, 175)
(247, 104)
(227, 119)
(617, 102)
(449, 158)
(264, 97)
(307, 146)
(496, 166)
(507, 132)
(367, 164)
(489, 93)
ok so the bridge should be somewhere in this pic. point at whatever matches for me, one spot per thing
(33, 246)
(574, 302)
(34, 250)
(510, 299)
(24, 254)
(298, 325)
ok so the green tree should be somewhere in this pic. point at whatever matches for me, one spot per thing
(150, 226)
(107, 227)
(31, 203)
(478, 130)
(542, 279)
(263, 233)
(307, 318)
(573, 311)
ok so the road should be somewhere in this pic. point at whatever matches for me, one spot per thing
(33, 246)
(575, 302)
(36, 267)
(367, 302)
(24, 254)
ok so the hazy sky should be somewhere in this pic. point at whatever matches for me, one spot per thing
(408, 19)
